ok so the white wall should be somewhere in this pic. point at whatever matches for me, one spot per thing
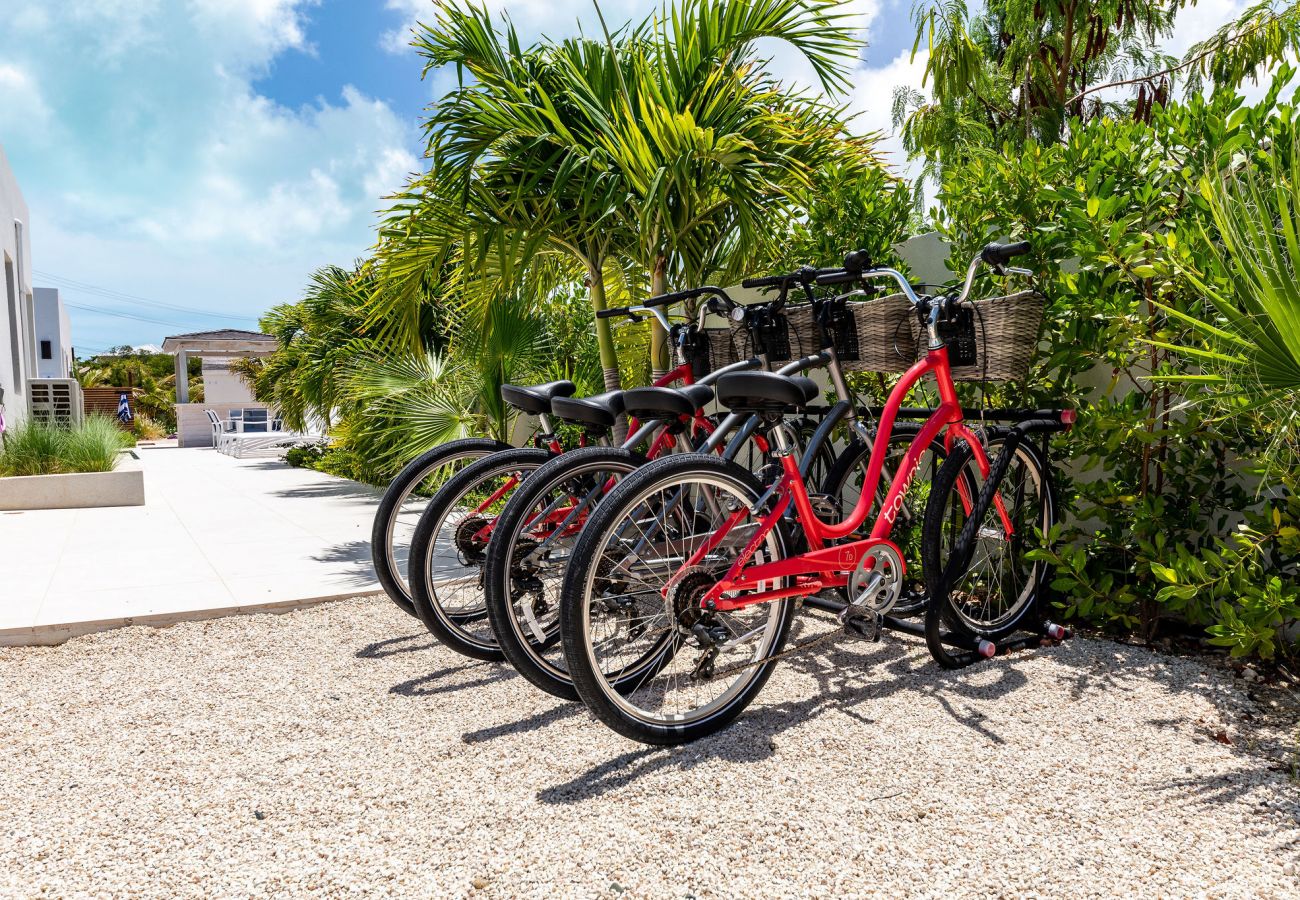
(17, 357)
(52, 325)
(220, 385)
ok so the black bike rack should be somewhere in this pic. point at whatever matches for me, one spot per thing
(953, 650)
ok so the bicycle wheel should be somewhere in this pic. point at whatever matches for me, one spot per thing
(449, 549)
(843, 485)
(405, 499)
(530, 549)
(1000, 587)
(649, 663)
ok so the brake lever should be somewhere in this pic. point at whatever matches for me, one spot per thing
(1016, 270)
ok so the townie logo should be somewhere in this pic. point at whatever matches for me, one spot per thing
(892, 508)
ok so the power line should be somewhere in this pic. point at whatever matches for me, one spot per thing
(110, 294)
(122, 315)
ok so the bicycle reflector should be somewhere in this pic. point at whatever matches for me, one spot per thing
(1069, 417)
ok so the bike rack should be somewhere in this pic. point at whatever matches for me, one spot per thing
(957, 651)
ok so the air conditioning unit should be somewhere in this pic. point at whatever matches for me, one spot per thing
(54, 400)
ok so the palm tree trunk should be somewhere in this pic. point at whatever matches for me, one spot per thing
(605, 341)
(660, 357)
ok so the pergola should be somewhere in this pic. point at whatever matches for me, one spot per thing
(225, 343)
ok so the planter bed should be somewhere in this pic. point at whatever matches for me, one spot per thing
(123, 486)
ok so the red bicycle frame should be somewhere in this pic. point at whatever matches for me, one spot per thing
(831, 565)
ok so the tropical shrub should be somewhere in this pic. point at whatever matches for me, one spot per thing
(1169, 526)
(152, 375)
(40, 448)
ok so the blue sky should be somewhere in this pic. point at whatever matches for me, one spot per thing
(187, 163)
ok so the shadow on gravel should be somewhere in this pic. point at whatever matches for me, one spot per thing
(843, 686)
(428, 686)
(556, 713)
(407, 643)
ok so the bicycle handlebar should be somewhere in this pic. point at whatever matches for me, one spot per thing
(690, 294)
(997, 256)
(1001, 254)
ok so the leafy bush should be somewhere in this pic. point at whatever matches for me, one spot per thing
(146, 428)
(304, 457)
(37, 448)
(1169, 525)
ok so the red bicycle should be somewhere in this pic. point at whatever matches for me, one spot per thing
(683, 584)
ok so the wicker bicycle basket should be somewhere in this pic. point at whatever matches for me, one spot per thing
(1006, 337)
(792, 335)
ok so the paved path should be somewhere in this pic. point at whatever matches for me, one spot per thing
(215, 535)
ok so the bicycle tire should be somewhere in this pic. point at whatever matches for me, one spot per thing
(527, 653)
(939, 526)
(600, 693)
(388, 568)
(448, 627)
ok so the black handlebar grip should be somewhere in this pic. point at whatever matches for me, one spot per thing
(1001, 254)
(611, 313)
(665, 299)
(770, 281)
(841, 276)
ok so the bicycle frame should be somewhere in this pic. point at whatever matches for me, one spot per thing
(663, 442)
(832, 565)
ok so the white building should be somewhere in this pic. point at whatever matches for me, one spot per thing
(53, 334)
(17, 358)
(35, 338)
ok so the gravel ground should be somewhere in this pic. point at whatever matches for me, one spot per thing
(336, 751)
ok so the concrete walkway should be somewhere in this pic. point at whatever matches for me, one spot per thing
(216, 535)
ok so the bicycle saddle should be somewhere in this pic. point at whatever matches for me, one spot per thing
(765, 391)
(663, 402)
(536, 399)
(599, 409)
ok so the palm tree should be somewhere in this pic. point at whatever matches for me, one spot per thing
(716, 152)
(665, 146)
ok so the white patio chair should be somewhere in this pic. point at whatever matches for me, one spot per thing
(220, 432)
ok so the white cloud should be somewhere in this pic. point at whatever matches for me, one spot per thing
(21, 103)
(873, 99)
(150, 149)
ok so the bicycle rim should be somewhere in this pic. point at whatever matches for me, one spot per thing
(638, 643)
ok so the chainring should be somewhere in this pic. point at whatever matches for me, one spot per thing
(877, 579)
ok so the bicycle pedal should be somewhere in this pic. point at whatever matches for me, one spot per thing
(867, 627)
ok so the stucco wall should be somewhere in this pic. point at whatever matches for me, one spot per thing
(52, 325)
(16, 356)
(220, 385)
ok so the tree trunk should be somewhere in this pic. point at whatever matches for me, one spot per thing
(605, 340)
(660, 355)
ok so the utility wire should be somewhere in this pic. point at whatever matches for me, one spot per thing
(110, 294)
(122, 315)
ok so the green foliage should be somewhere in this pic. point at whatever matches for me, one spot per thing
(662, 152)
(145, 428)
(152, 375)
(1247, 267)
(340, 462)
(1158, 482)
(849, 208)
(1015, 72)
(94, 445)
(1263, 37)
(38, 448)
